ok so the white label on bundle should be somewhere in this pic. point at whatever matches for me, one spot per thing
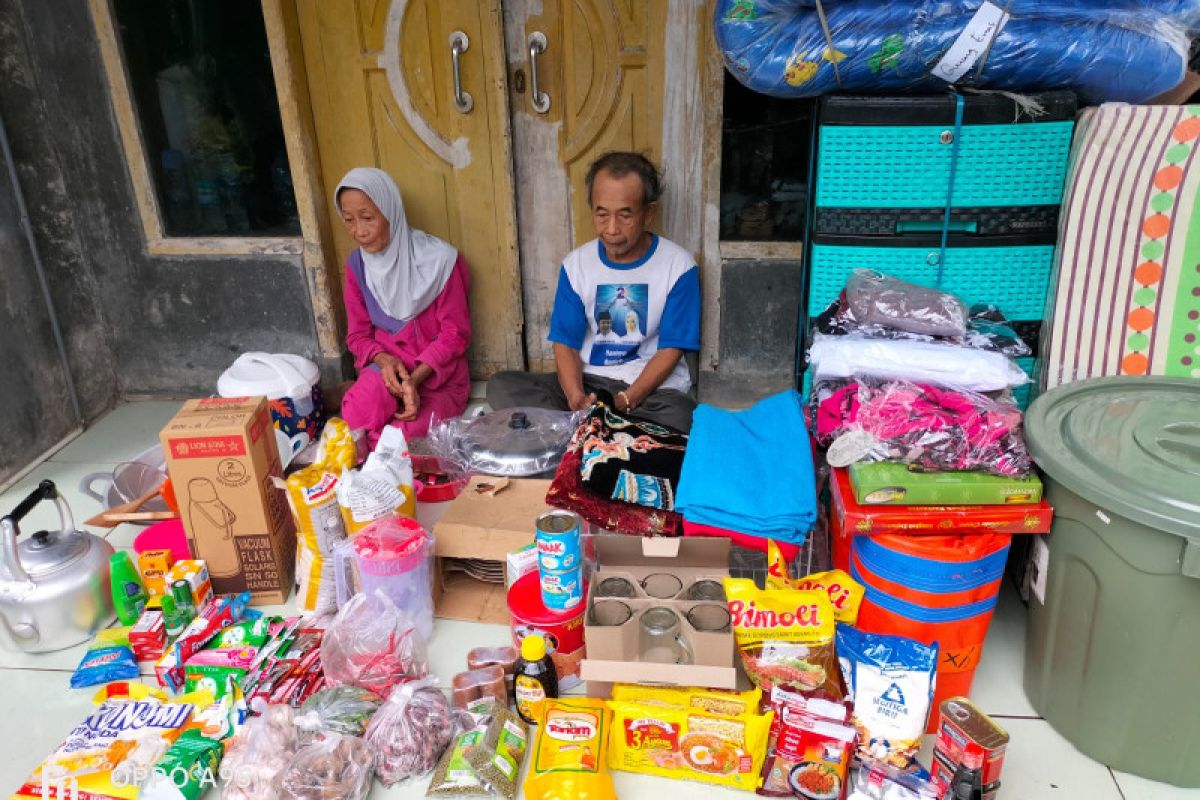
(972, 43)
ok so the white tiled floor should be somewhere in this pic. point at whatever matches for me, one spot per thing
(37, 709)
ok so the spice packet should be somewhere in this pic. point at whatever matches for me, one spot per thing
(570, 754)
(844, 592)
(810, 755)
(688, 744)
(454, 774)
(785, 637)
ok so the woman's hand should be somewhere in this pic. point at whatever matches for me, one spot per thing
(410, 402)
(392, 370)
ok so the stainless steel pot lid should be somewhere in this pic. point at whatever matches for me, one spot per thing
(517, 442)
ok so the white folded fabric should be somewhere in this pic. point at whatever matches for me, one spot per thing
(952, 366)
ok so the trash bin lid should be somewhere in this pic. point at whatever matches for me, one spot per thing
(1127, 444)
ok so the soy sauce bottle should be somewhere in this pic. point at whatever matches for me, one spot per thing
(534, 678)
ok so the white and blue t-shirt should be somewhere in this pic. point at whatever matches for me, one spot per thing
(618, 315)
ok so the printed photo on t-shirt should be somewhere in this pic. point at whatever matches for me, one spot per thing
(620, 312)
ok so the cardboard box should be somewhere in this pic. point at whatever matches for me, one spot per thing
(221, 454)
(889, 483)
(485, 527)
(848, 518)
(612, 651)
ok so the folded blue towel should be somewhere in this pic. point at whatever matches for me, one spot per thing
(750, 471)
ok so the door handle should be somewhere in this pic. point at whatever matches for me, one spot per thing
(537, 46)
(459, 43)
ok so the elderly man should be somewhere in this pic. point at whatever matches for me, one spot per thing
(627, 281)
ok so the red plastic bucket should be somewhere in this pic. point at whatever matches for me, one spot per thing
(563, 629)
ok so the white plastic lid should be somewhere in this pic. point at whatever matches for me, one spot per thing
(276, 375)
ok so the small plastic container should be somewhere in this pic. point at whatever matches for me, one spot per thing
(476, 683)
(503, 657)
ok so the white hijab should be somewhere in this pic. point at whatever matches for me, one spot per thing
(408, 274)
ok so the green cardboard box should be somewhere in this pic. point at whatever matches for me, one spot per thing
(889, 483)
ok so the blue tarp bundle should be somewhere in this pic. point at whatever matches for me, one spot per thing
(1105, 50)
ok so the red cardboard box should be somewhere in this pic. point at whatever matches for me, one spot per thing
(848, 518)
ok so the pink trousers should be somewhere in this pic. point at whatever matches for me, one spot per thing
(368, 404)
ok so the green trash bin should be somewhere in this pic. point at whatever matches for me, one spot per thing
(1113, 647)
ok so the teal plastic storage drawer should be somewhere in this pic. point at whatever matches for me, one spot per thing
(909, 167)
(1015, 277)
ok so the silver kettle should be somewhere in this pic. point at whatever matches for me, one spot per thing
(54, 585)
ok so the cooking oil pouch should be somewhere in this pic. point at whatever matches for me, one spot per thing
(383, 487)
(785, 637)
(312, 497)
(108, 658)
(845, 593)
(712, 701)
(688, 744)
(891, 680)
(570, 754)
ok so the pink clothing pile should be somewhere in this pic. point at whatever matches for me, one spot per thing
(936, 429)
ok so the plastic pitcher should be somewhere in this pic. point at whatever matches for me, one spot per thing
(394, 555)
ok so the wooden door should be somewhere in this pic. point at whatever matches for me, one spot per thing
(603, 68)
(381, 81)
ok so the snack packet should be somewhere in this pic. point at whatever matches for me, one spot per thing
(712, 701)
(844, 592)
(570, 754)
(190, 767)
(688, 744)
(108, 658)
(382, 488)
(410, 731)
(126, 735)
(785, 637)
(891, 681)
(312, 497)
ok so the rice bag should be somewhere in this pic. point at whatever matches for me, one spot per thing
(785, 637)
(891, 681)
(844, 592)
(337, 767)
(410, 731)
(372, 644)
(570, 754)
(343, 710)
(108, 658)
(688, 743)
(312, 497)
(382, 488)
(258, 753)
(712, 701)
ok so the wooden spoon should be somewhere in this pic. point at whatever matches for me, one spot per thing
(103, 520)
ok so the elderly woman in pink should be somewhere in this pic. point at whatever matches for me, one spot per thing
(406, 309)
